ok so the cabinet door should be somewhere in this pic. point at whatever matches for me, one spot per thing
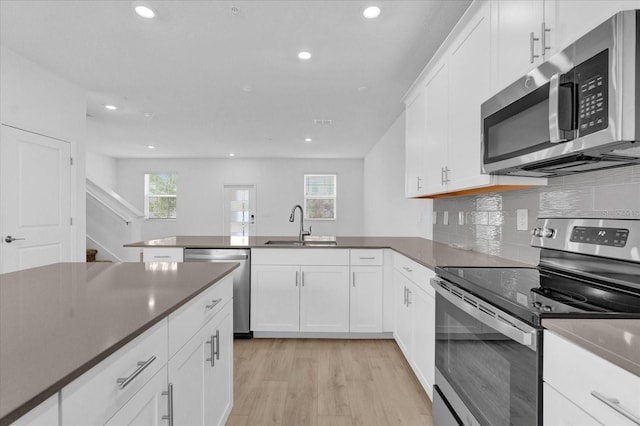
(275, 298)
(414, 139)
(402, 331)
(569, 20)
(366, 299)
(324, 298)
(559, 411)
(513, 21)
(45, 414)
(147, 407)
(469, 68)
(424, 335)
(188, 370)
(434, 156)
(219, 394)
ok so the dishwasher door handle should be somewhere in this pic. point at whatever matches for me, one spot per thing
(221, 257)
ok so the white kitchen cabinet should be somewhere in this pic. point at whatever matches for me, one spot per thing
(366, 299)
(324, 299)
(163, 254)
(45, 414)
(148, 405)
(97, 395)
(517, 26)
(559, 411)
(414, 141)
(454, 86)
(588, 382)
(200, 374)
(415, 318)
(275, 298)
(569, 20)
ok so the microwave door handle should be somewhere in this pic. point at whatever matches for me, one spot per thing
(554, 113)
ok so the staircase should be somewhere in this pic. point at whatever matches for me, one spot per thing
(111, 223)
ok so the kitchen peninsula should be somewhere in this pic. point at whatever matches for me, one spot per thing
(64, 322)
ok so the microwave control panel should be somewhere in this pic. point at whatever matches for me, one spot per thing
(593, 90)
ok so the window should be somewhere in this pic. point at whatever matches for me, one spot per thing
(320, 197)
(160, 195)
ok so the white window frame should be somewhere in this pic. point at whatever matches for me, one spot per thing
(147, 196)
(311, 197)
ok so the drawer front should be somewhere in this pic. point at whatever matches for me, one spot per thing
(366, 257)
(582, 377)
(418, 274)
(187, 320)
(305, 256)
(559, 411)
(96, 395)
(163, 254)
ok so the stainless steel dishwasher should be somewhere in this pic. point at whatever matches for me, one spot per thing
(241, 282)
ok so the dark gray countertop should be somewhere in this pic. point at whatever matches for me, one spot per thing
(616, 340)
(58, 321)
(426, 252)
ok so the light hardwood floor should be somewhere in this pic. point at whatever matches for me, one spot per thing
(313, 382)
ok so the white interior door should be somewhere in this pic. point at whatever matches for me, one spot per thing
(239, 213)
(35, 197)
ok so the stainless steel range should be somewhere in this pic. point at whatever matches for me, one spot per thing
(488, 332)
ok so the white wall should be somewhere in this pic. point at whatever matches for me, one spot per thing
(386, 211)
(102, 170)
(279, 184)
(35, 99)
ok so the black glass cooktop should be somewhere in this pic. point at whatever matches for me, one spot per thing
(532, 293)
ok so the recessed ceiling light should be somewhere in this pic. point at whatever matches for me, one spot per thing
(231, 154)
(307, 140)
(111, 107)
(151, 147)
(371, 12)
(304, 55)
(148, 115)
(145, 11)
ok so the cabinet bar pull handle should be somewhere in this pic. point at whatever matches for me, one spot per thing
(211, 359)
(368, 258)
(217, 351)
(213, 303)
(353, 279)
(302, 278)
(407, 269)
(408, 297)
(446, 174)
(124, 381)
(532, 40)
(297, 278)
(543, 38)
(156, 256)
(615, 404)
(169, 394)
(418, 186)
(405, 297)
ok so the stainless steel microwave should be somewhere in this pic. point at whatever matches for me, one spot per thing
(576, 112)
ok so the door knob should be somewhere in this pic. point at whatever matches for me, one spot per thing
(10, 239)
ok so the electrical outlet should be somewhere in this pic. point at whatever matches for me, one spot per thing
(522, 219)
(445, 219)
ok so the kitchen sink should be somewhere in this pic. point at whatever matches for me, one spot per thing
(283, 243)
(308, 242)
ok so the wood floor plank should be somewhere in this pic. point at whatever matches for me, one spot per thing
(269, 405)
(334, 421)
(333, 398)
(238, 421)
(301, 406)
(363, 403)
(355, 363)
(248, 373)
(279, 359)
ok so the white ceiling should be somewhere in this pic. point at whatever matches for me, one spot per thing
(218, 83)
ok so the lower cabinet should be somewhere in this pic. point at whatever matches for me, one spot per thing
(148, 407)
(415, 318)
(45, 414)
(180, 372)
(366, 299)
(200, 374)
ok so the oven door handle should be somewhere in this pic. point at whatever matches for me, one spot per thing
(501, 322)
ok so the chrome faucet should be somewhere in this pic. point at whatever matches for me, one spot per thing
(303, 233)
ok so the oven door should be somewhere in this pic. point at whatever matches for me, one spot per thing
(488, 367)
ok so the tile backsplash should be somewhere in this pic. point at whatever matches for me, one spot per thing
(488, 222)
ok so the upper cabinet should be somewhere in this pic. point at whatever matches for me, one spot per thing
(494, 43)
(443, 114)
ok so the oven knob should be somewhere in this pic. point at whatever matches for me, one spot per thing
(547, 233)
(546, 308)
(536, 232)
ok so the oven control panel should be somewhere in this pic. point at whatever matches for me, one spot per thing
(615, 237)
